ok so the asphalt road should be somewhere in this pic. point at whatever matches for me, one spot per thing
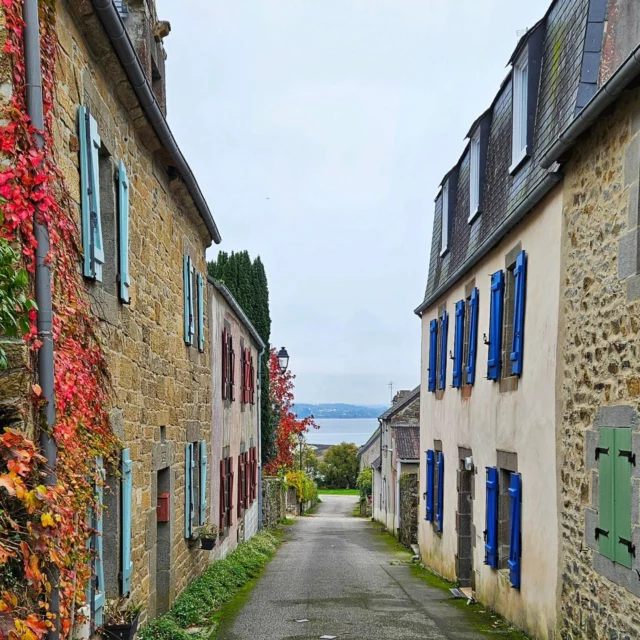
(338, 573)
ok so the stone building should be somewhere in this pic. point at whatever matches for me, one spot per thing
(399, 454)
(369, 451)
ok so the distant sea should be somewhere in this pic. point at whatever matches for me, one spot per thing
(335, 431)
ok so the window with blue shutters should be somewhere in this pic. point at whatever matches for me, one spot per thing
(430, 485)
(200, 312)
(204, 481)
(444, 329)
(98, 587)
(127, 495)
(124, 280)
(495, 326)
(470, 369)
(520, 280)
(491, 530)
(92, 243)
(188, 485)
(515, 538)
(440, 505)
(433, 354)
(458, 344)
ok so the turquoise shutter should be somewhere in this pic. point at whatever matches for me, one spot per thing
(123, 232)
(204, 480)
(127, 495)
(622, 505)
(515, 538)
(90, 195)
(200, 312)
(192, 318)
(433, 353)
(520, 285)
(185, 295)
(473, 336)
(442, 378)
(430, 476)
(99, 593)
(440, 506)
(458, 344)
(188, 491)
(491, 531)
(495, 326)
(605, 454)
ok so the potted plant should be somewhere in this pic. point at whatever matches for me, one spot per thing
(121, 619)
(208, 536)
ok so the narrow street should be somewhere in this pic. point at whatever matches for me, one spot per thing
(338, 573)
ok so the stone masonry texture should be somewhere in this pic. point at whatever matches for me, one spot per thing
(409, 491)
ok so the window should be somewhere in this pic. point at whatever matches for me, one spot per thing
(433, 354)
(471, 336)
(200, 290)
(519, 149)
(439, 491)
(228, 366)
(188, 295)
(442, 350)
(247, 376)
(98, 589)
(124, 281)
(494, 361)
(189, 490)
(127, 495)
(203, 476)
(507, 319)
(444, 239)
(474, 175)
(520, 288)
(615, 458)
(242, 487)
(458, 343)
(252, 382)
(430, 497)
(226, 492)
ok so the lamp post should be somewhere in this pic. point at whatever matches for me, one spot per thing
(283, 360)
(301, 442)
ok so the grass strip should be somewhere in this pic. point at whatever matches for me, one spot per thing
(339, 492)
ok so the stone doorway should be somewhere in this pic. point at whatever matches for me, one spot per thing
(464, 519)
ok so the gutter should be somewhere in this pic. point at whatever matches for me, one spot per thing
(259, 443)
(544, 187)
(606, 95)
(113, 25)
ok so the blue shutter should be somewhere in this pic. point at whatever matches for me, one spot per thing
(188, 491)
(200, 312)
(440, 506)
(99, 593)
(90, 195)
(495, 326)
(520, 280)
(430, 475)
(515, 493)
(433, 354)
(127, 494)
(442, 378)
(458, 344)
(491, 532)
(123, 232)
(204, 480)
(473, 336)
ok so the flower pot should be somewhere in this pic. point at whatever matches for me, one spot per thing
(207, 543)
(121, 631)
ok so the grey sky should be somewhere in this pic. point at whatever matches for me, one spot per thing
(319, 131)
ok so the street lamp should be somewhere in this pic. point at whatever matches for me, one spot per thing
(301, 442)
(283, 360)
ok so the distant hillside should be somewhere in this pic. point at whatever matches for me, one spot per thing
(338, 410)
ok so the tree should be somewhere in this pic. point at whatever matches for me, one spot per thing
(288, 427)
(340, 466)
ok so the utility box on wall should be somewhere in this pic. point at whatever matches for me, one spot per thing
(163, 507)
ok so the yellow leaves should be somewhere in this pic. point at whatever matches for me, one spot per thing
(33, 628)
(5, 554)
(37, 389)
(47, 520)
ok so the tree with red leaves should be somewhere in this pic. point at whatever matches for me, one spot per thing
(288, 426)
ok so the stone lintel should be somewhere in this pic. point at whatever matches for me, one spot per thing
(616, 416)
(507, 460)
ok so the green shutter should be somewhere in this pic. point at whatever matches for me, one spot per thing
(622, 504)
(606, 454)
(188, 491)
(203, 481)
(127, 495)
(123, 233)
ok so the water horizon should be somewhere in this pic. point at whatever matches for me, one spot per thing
(338, 430)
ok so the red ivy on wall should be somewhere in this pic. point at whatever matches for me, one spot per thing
(44, 529)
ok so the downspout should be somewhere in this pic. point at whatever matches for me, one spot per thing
(260, 440)
(398, 497)
(35, 111)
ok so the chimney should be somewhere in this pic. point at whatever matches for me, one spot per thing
(147, 34)
(400, 396)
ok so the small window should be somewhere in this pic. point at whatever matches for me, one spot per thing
(445, 219)
(474, 175)
(519, 149)
(507, 326)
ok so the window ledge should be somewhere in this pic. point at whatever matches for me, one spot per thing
(439, 394)
(473, 215)
(518, 162)
(509, 384)
(444, 252)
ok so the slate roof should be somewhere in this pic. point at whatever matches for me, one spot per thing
(407, 442)
(377, 463)
(405, 402)
(371, 441)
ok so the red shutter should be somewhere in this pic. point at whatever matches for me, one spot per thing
(230, 490)
(243, 376)
(240, 500)
(247, 375)
(224, 364)
(222, 509)
(252, 382)
(245, 479)
(232, 355)
(254, 472)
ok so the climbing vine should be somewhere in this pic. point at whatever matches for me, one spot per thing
(44, 529)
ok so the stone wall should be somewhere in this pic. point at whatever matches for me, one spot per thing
(274, 501)
(599, 373)
(409, 501)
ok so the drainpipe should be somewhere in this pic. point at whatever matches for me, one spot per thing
(260, 440)
(33, 76)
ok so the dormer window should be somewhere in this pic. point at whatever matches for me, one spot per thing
(519, 148)
(474, 175)
(445, 219)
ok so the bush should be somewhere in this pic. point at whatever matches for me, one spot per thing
(306, 488)
(365, 483)
(197, 604)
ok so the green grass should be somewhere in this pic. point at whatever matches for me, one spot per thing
(339, 492)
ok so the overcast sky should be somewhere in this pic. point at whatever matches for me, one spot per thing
(319, 131)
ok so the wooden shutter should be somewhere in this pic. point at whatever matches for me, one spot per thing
(123, 234)
(433, 354)
(240, 484)
(622, 540)
(491, 531)
(494, 363)
(515, 537)
(192, 318)
(606, 531)
(520, 285)
(473, 336)
(225, 363)
(204, 481)
(247, 479)
(458, 344)
(440, 506)
(430, 484)
(200, 280)
(189, 464)
(90, 195)
(442, 377)
(127, 495)
(99, 596)
(185, 297)
(232, 357)
(230, 490)
(223, 493)
(253, 382)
